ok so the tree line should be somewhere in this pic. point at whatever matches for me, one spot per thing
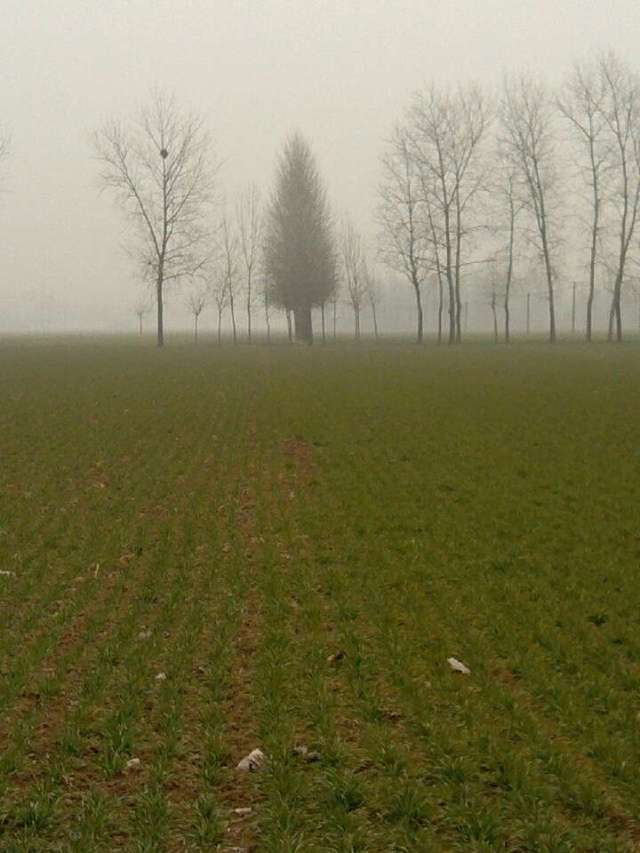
(284, 254)
(508, 180)
(477, 189)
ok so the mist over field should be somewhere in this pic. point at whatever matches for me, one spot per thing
(340, 73)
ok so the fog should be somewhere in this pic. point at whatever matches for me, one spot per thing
(338, 71)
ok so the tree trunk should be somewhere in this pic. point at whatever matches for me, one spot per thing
(457, 270)
(289, 326)
(160, 304)
(219, 327)
(249, 309)
(589, 330)
(612, 316)
(335, 318)
(324, 336)
(420, 332)
(267, 318)
(507, 290)
(507, 320)
(528, 313)
(592, 268)
(375, 320)
(552, 307)
(356, 318)
(452, 309)
(615, 315)
(195, 328)
(496, 336)
(303, 325)
(440, 307)
(139, 324)
(233, 316)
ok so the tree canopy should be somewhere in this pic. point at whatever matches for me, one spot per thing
(300, 255)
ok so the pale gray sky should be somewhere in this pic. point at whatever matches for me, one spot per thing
(338, 70)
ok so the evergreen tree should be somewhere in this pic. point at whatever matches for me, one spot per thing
(300, 255)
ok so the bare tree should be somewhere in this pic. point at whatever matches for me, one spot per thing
(493, 296)
(220, 293)
(157, 164)
(250, 234)
(197, 298)
(352, 265)
(447, 132)
(230, 262)
(333, 301)
(529, 142)
(621, 112)
(266, 305)
(582, 102)
(373, 295)
(141, 308)
(403, 245)
(506, 195)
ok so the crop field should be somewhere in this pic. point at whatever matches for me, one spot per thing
(208, 550)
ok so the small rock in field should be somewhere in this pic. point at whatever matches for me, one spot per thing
(7, 574)
(305, 753)
(337, 656)
(457, 666)
(144, 635)
(243, 811)
(134, 764)
(312, 756)
(254, 761)
(161, 676)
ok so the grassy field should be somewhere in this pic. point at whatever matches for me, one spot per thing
(207, 550)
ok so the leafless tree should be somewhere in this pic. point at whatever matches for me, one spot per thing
(158, 165)
(250, 235)
(404, 237)
(447, 133)
(582, 103)
(529, 142)
(333, 301)
(352, 266)
(505, 209)
(229, 258)
(621, 112)
(219, 290)
(197, 297)
(141, 308)
(266, 305)
(493, 296)
(373, 294)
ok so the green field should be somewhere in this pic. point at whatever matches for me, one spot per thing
(298, 539)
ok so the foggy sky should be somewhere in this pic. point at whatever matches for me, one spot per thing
(339, 71)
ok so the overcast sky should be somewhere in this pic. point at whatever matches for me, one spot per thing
(338, 70)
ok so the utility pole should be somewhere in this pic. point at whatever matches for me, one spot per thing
(528, 313)
(573, 310)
